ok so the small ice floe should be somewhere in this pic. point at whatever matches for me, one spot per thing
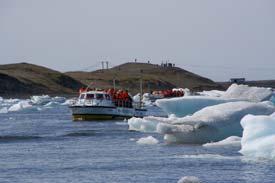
(121, 123)
(51, 104)
(41, 99)
(147, 141)
(4, 110)
(207, 157)
(68, 102)
(189, 179)
(145, 124)
(258, 139)
(233, 141)
(59, 100)
(46, 99)
(22, 105)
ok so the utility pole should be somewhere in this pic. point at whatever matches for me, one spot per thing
(114, 83)
(102, 65)
(107, 64)
(141, 89)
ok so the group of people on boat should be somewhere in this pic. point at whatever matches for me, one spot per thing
(169, 93)
(120, 98)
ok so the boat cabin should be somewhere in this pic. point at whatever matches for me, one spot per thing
(95, 98)
(104, 99)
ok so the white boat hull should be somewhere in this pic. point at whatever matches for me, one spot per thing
(103, 113)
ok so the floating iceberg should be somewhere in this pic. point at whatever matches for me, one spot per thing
(22, 105)
(189, 179)
(244, 92)
(4, 110)
(41, 100)
(213, 123)
(57, 99)
(212, 93)
(36, 103)
(228, 142)
(258, 136)
(147, 141)
(210, 124)
(149, 124)
(182, 106)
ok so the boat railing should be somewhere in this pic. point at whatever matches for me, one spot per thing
(138, 105)
(122, 103)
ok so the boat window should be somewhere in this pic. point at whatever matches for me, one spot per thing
(90, 96)
(82, 96)
(99, 96)
(107, 97)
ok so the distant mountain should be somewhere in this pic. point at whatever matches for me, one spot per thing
(155, 77)
(23, 79)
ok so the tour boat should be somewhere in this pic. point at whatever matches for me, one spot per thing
(104, 105)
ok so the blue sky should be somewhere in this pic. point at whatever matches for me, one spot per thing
(214, 38)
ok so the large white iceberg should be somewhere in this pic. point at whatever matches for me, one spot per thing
(212, 123)
(244, 92)
(187, 105)
(182, 106)
(258, 136)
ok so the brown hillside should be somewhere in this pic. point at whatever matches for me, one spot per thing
(155, 77)
(26, 79)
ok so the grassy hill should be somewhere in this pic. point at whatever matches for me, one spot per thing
(154, 77)
(25, 79)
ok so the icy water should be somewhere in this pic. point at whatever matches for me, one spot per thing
(47, 146)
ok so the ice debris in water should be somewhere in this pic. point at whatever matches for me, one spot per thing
(4, 110)
(272, 99)
(35, 103)
(45, 99)
(189, 179)
(258, 139)
(22, 105)
(149, 123)
(147, 140)
(41, 100)
(210, 124)
(187, 105)
(228, 142)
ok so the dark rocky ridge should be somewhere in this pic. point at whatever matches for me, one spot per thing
(23, 79)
